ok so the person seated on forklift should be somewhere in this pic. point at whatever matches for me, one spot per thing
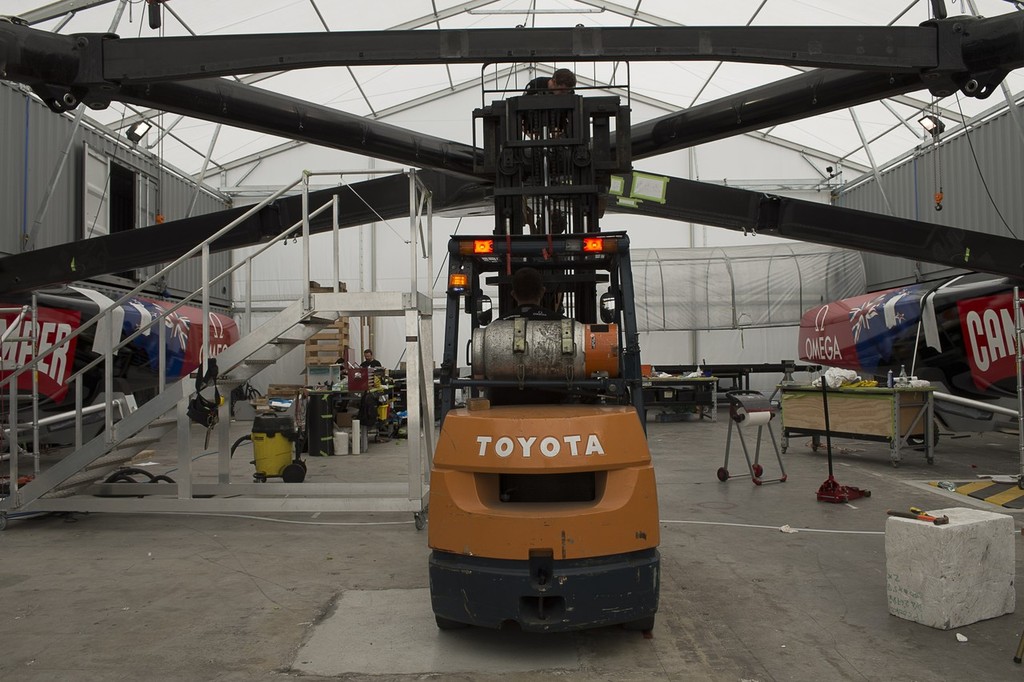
(527, 290)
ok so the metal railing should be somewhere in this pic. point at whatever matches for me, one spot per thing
(108, 336)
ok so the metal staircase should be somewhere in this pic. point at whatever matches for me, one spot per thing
(76, 482)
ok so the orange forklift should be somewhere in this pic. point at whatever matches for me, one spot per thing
(543, 509)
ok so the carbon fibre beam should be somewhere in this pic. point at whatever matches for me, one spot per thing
(808, 221)
(359, 204)
(245, 106)
(801, 96)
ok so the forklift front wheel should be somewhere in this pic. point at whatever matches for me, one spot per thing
(446, 624)
(641, 625)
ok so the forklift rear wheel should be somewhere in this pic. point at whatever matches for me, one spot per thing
(723, 474)
(758, 469)
(641, 624)
(294, 473)
(446, 624)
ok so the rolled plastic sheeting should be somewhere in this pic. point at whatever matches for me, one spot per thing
(756, 418)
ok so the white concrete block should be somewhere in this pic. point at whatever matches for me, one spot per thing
(950, 575)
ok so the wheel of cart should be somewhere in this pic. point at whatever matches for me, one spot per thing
(747, 409)
(420, 519)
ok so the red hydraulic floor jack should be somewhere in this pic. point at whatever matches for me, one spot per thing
(830, 490)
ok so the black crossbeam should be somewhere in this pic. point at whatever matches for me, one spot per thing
(938, 47)
(223, 101)
(358, 204)
(140, 60)
(808, 221)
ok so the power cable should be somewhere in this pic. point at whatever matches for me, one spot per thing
(970, 143)
(776, 528)
(297, 523)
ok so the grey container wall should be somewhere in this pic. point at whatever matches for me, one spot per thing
(998, 146)
(32, 141)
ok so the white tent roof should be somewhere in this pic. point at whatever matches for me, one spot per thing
(889, 127)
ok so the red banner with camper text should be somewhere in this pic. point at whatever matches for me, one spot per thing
(52, 326)
(988, 328)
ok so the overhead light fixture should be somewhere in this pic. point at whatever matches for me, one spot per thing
(932, 124)
(137, 131)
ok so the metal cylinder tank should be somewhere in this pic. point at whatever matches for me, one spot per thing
(545, 349)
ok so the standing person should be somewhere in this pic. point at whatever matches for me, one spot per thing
(528, 290)
(369, 360)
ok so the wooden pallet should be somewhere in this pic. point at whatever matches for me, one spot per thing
(327, 345)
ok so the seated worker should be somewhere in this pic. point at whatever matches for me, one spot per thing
(528, 290)
(369, 360)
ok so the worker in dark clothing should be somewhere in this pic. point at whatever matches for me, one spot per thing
(562, 80)
(369, 360)
(528, 291)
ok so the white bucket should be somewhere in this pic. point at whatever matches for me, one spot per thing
(340, 442)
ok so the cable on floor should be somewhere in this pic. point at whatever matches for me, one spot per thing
(298, 523)
(777, 528)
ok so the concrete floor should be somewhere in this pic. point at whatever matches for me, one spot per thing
(328, 596)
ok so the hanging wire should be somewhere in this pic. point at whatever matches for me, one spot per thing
(977, 165)
(937, 162)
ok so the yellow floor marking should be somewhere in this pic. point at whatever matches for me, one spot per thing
(969, 488)
(1005, 496)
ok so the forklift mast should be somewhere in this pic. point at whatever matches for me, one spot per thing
(551, 156)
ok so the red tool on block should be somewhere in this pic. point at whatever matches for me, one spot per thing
(937, 520)
(830, 490)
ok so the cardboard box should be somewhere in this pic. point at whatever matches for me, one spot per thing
(343, 420)
(284, 390)
(317, 288)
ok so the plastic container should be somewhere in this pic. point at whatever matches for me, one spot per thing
(341, 440)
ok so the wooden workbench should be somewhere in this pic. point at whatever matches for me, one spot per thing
(893, 415)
